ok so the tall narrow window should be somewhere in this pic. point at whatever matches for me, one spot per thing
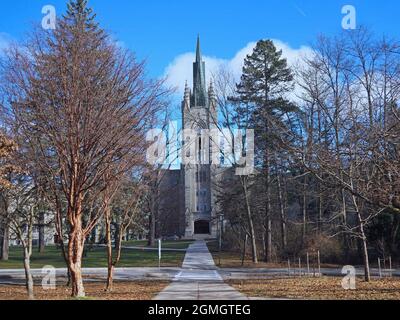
(187, 143)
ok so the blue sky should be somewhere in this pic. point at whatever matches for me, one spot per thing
(161, 30)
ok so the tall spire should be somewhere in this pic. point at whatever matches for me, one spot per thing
(198, 50)
(199, 78)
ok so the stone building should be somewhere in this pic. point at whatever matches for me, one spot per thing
(188, 205)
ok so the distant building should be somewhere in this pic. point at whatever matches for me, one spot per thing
(187, 207)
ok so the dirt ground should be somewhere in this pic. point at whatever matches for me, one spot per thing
(325, 288)
(138, 290)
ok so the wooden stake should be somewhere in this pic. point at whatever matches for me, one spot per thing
(379, 267)
(319, 264)
(288, 262)
(244, 250)
(299, 267)
(308, 264)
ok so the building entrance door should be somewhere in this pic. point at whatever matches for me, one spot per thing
(202, 227)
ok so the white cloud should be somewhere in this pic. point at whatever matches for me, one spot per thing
(180, 69)
(5, 41)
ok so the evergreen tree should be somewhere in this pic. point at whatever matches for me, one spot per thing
(262, 95)
(79, 13)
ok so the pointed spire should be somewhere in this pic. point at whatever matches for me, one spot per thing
(199, 79)
(187, 91)
(211, 92)
(198, 50)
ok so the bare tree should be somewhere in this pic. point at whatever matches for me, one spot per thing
(345, 84)
(85, 104)
(19, 212)
(224, 86)
(125, 207)
(7, 149)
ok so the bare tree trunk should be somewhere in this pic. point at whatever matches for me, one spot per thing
(282, 213)
(268, 239)
(152, 230)
(244, 248)
(75, 251)
(320, 210)
(28, 274)
(268, 222)
(122, 229)
(346, 236)
(367, 274)
(78, 290)
(344, 207)
(110, 267)
(110, 278)
(4, 243)
(65, 257)
(41, 247)
(112, 263)
(250, 221)
(304, 201)
(117, 234)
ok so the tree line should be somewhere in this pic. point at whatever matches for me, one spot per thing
(326, 150)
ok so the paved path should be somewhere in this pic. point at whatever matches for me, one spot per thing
(199, 279)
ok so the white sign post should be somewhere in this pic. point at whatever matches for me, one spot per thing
(159, 253)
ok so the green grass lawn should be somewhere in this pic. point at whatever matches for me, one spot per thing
(96, 257)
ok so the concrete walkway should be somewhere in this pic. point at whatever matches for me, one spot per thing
(199, 279)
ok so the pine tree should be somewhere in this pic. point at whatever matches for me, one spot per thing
(79, 13)
(261, 93)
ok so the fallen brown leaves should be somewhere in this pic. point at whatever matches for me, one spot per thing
(233, 260)
(325, 288)
(138, 290)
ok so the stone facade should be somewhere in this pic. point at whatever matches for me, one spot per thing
(194, 197)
